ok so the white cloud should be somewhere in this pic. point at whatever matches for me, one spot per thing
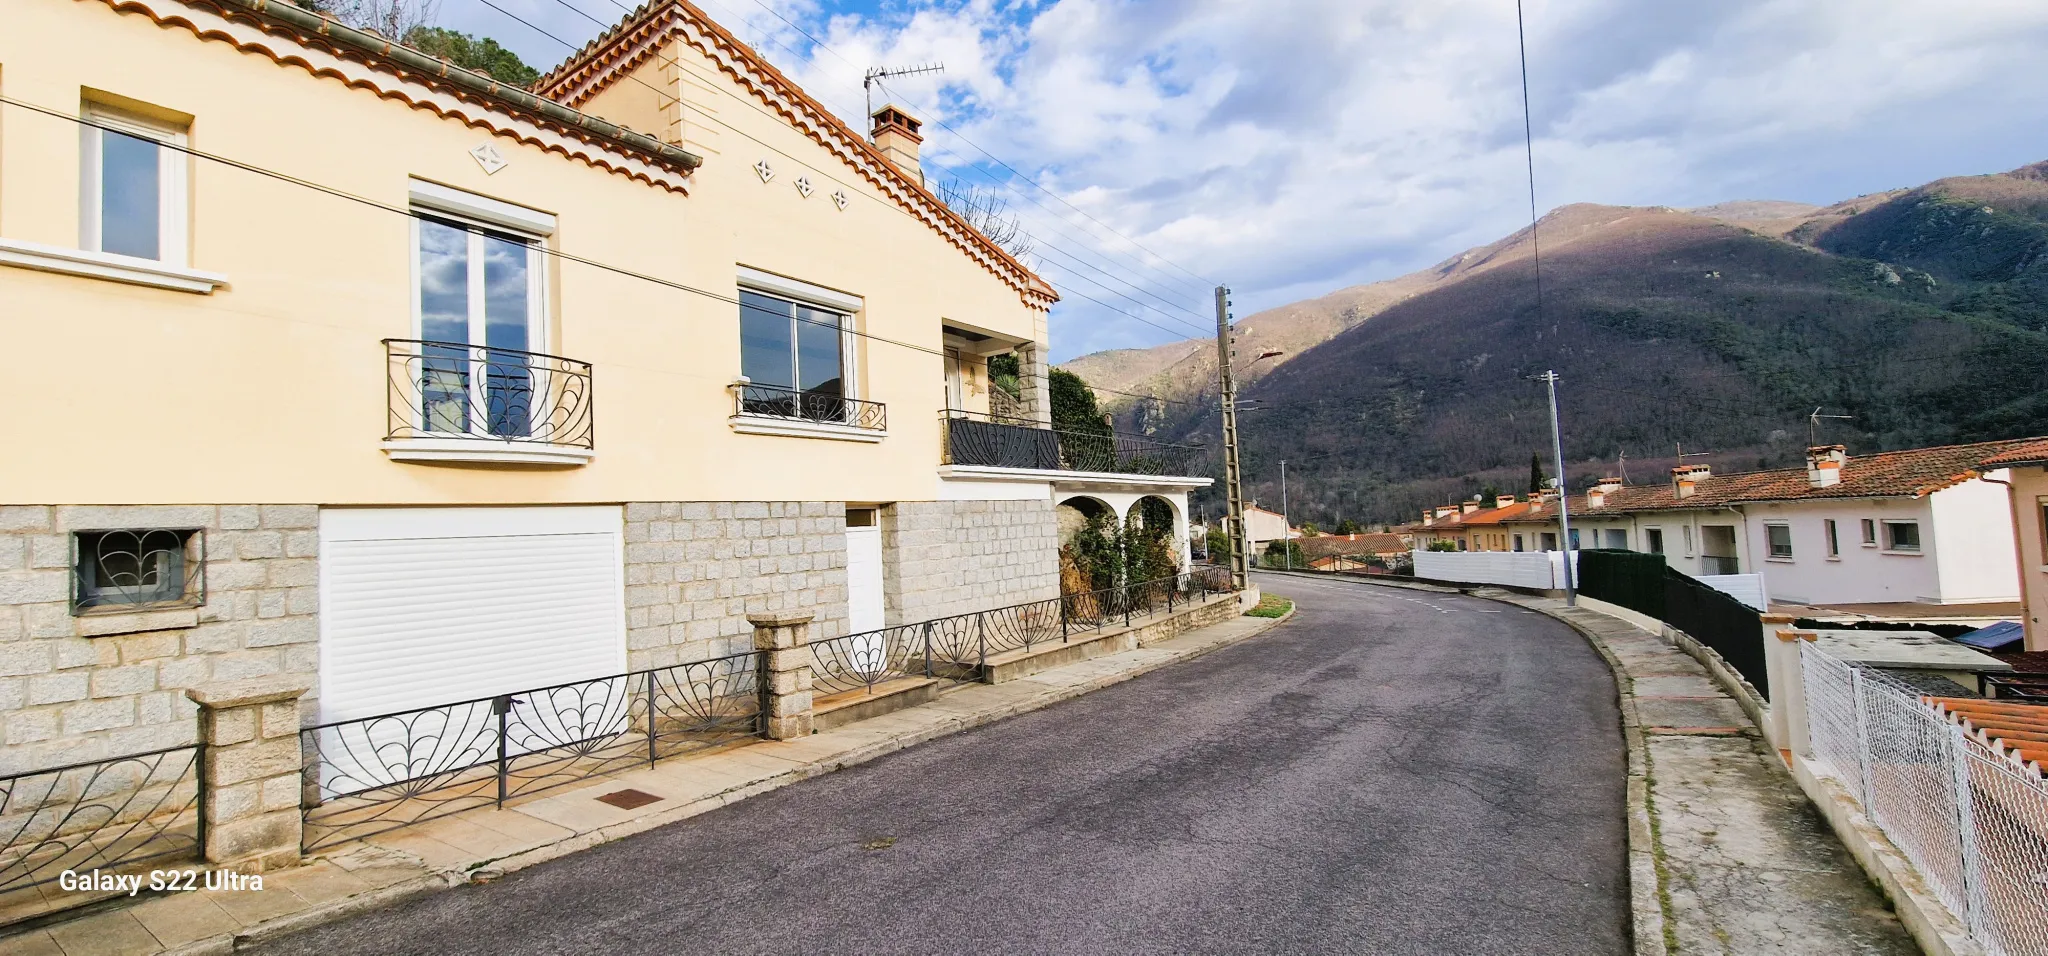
(1291, 148)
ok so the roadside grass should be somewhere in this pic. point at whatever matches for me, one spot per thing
(1270, 605)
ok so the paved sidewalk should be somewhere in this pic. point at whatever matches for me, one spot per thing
(484, 844)
(1744, 862)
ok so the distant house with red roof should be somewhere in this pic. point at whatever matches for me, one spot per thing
(1926, 526)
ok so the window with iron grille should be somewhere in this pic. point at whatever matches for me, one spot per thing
(135, 569)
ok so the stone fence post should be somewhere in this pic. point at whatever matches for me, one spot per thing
(785, 638)
(249, 781)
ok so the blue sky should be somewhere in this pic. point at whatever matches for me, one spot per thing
(1294, 147)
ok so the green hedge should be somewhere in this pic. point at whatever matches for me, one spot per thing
(1631, 579)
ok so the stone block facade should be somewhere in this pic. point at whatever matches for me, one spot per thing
(696, 569)
(941, 558)
(107, 683)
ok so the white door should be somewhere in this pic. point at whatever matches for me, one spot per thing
(863, 578)
(428, 606)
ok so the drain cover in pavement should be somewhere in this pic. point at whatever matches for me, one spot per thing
(629, 799)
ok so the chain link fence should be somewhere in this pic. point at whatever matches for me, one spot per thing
(1972, 820)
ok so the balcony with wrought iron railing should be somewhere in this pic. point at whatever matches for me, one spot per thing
(974, 440)
(454, 402)
(810, 413)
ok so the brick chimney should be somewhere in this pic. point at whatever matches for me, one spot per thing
(1596, 496)
(1685, 479)
(1824, 465)
(1445, 511)
(1503, 501)
(1467, 507)
(895, 133)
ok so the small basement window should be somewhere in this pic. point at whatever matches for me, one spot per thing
(1902, 536)
(1780, 539)
(134, 569)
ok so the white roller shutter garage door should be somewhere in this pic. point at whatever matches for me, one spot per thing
(427, 606)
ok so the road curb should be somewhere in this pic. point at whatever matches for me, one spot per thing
(449, 878)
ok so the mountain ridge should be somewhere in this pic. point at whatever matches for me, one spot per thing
(1718, 327)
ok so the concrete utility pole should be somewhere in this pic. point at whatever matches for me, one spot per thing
(1286, 523)
(1564, 510)
(1233, 522)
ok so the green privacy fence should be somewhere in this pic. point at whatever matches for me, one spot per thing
(1631, 579)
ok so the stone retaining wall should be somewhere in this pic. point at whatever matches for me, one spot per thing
(696, 569)
(941, 558)
(106, 684)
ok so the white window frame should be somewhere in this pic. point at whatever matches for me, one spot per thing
(174, 205)
(1656, 530)
(1869, 532)
(505, 219)
(1891, 546)
(1771, 548)
(1832, 537)
(847, 307)
(1688, 539)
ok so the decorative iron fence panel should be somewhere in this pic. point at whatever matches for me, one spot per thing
(366, 776)
(105, 814)
(974, 438)
(458, 390)
(374, 774)
(808, 405)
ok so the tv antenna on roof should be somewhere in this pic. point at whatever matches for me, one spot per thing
(1682, 455)
(1621, 463)
(1813, 424)
(877, 73)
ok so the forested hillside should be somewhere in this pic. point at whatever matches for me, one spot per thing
(1922, 315)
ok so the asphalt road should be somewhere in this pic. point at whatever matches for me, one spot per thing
(1390, 772)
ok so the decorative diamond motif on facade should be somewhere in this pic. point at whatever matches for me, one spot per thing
(765, 171)
(803, 186)
(489, 158)
(839, 199)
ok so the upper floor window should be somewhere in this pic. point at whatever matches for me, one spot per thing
(1653, 539)
(132, 187)
(1902, 536)
(792, 345)
(1869, 532)
(1780, 540)
(1834, 538)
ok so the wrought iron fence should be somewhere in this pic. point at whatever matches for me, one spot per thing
(103, 814)
(459, 390)
(975, 438)
(1973, 821)
(959, 647)
(808, 405)
(366, 776)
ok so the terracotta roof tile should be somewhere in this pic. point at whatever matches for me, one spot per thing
(1908, 473)
(2017, 731)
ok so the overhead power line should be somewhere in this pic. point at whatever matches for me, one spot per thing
(855, 189)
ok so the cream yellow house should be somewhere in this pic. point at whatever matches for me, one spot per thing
(330, 359)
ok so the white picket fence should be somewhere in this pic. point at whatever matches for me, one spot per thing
(1523, 569)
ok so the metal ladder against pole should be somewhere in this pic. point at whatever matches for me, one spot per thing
(1233, 486)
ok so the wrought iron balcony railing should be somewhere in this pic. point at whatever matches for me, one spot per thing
(457, 390)
(800, 405)
(974, 438)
